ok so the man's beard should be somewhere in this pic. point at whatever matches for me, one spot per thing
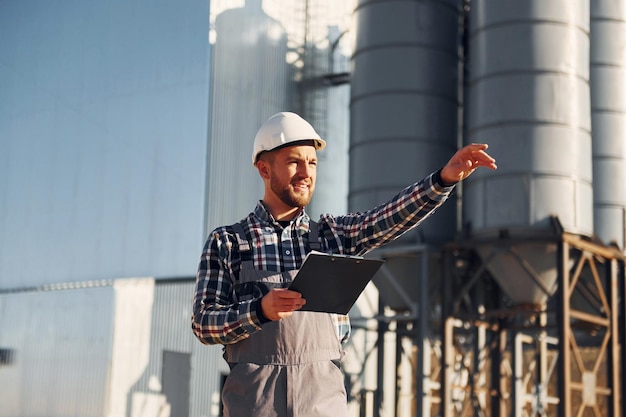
(286, 194)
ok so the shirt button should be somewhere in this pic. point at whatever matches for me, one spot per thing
(287, 252)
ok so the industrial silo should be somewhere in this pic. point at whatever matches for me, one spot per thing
(608, 119)
(250, 81)
(530, 101)
(404, 116)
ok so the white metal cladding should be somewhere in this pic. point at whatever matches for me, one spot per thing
(61, 343)
(269, 57)
(250, 81)
(404, 102)
(529, 100)
(608, 118)
(99, 348)
(171, 333)
(103, 121)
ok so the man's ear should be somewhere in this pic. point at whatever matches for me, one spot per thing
(264, 169)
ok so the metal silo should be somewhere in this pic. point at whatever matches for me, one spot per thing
(529, 100)
(608, 118)
(250, 81)
(404, 113)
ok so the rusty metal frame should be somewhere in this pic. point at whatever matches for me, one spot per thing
(591, 271)
(467, 376)
(588, 258)
(532, 377)
(594, 273)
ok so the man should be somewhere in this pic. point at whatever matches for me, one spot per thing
(285, 362)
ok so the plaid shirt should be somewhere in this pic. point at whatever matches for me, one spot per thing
(218, 316)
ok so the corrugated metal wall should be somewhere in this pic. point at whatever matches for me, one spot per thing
(103, 130)
(103, 121)
(171, 334)
(249, 46)
(102, 348)
(60, 343)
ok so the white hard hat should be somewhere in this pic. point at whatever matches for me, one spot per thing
(281, 129)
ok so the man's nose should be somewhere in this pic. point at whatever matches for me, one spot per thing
(306, 170)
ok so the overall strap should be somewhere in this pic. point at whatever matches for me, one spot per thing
(314, 240)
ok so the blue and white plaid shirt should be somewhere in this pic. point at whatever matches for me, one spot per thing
(219, 319)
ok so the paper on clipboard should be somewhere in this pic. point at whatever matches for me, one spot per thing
(332, 283)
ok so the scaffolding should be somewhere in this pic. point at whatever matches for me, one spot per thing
(474, 356)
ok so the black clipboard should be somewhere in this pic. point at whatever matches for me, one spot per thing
(332, 283)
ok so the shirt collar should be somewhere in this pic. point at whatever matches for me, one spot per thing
(262, 214)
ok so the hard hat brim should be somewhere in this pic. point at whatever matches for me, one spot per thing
(318, 144)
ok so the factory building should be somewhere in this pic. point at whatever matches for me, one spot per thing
(125, 137)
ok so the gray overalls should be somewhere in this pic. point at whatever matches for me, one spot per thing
(287, 369)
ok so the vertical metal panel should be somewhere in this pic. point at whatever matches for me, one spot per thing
(171, 332)
(608, 118)
(96, 349)
(130, 352)
(102, 135)
(61, 343)
(250, 81)
(404, 102)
